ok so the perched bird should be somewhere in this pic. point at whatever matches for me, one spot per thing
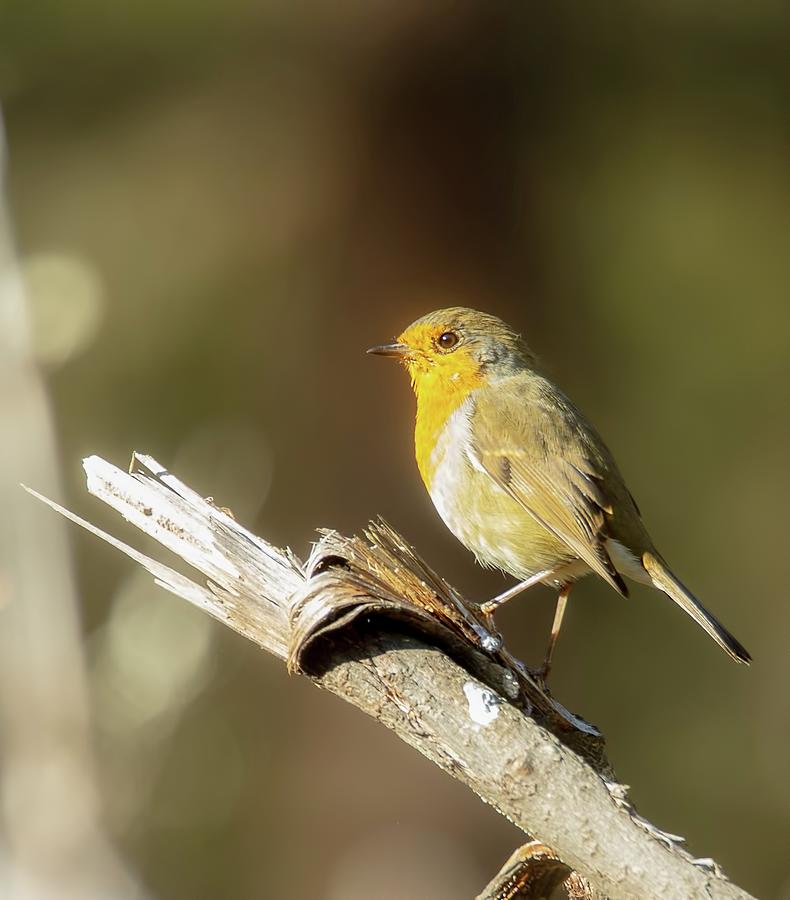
(518, 474)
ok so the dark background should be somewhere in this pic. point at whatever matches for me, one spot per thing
(219, 206)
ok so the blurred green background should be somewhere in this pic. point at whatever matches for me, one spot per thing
(219, 206)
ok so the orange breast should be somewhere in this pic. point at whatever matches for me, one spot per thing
(437, 398)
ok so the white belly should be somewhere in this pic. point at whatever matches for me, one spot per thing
(449, 461)
(494, 537)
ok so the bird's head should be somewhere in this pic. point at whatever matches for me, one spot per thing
(458, 349)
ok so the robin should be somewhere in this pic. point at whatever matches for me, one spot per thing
(518, 474)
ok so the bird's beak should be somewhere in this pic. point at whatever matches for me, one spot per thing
(400, 351)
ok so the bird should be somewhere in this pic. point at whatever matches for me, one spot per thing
(520, 476)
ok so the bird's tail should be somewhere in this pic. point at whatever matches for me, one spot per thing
(665, 581)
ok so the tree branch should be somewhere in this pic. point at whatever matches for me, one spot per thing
(368, 620)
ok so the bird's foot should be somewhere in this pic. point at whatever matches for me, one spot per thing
(541, 675)
(491, 640)
(488, 608)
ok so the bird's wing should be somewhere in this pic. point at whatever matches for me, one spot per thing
(538, 448)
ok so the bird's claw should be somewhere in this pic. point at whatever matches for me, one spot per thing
(491, 641)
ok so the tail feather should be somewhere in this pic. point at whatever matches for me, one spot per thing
(665, 581)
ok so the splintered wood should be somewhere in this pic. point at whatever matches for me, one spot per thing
(368, 619)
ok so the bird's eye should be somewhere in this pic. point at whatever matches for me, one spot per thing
(447, 340)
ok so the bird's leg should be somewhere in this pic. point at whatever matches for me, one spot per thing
(491, 606)
(559, 613)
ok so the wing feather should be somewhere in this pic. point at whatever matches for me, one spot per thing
(552, 464)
